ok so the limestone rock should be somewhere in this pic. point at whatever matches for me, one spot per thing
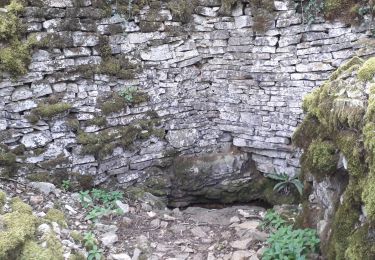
(44, 187)
(108, 239)
(182, 138)
(39, 139)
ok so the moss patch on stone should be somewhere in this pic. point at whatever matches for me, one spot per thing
(347, 11)
(33, 251)
(346, 217)
(182, 9)
(341, 119)
(98, 121)
(15, 56)
(19, 226)
(367, 71)
(360, 245)
(102, 143)
(48, 111)
(55, 215)
(2, 199)
(321, 158)
(117, 102)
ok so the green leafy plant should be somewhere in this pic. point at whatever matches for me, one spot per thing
(128, 94)
(311, 10)
(272, 221)
(285, 182)
(66, 184)
(286, 242)
(85, 198)
(97, 212)
(89, 240)
(95, 253)
(100, 203)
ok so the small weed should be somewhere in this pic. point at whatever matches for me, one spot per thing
(100, 203)
(95, 253)
(272, 221)
(66, 185)
(85, 198)
(89, 240)
(312, 10)
(128, 94)
(97, 212)
(286, 242)
(285, 182)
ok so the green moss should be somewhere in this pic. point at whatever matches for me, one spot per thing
(77, 256)
(370, 113)
(115, 103)
(344, 10)
(360, 246)
(10, 24)
(33, 251)
(15, 55)
(3, 197)
(118, 68)
(226, 6)
(102, 143)
(56, 40)
(346, 217)
(264, 14)
(307, 131)
(368, 195)
(49, 110)
(73, 124)
(355, 61)
(55, 246)
(53, 163)
(321, 158)
(85, 182)
(19, 149)
(39, 151)
(97, 144)
(137, 6)
(40, 177)
(7, 158)
(182, 10)
(19, 227)
(333, 114)
(19, 206)
(98, 121)
(77, 236)
(15, 58)
(367, 71)
(352, 148)
(146, 26)
(57, 216)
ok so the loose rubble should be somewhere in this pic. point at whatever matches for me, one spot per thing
(148, 232)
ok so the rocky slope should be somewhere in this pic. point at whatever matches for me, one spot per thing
(145, 229)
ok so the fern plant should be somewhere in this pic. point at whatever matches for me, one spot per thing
(285, 182)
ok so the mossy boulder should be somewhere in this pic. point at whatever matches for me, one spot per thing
(18, 238)
(321, 158)
(340, 120)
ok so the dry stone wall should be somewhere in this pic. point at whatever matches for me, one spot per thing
(216, 85)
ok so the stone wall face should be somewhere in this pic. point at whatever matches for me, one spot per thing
(215, 84)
